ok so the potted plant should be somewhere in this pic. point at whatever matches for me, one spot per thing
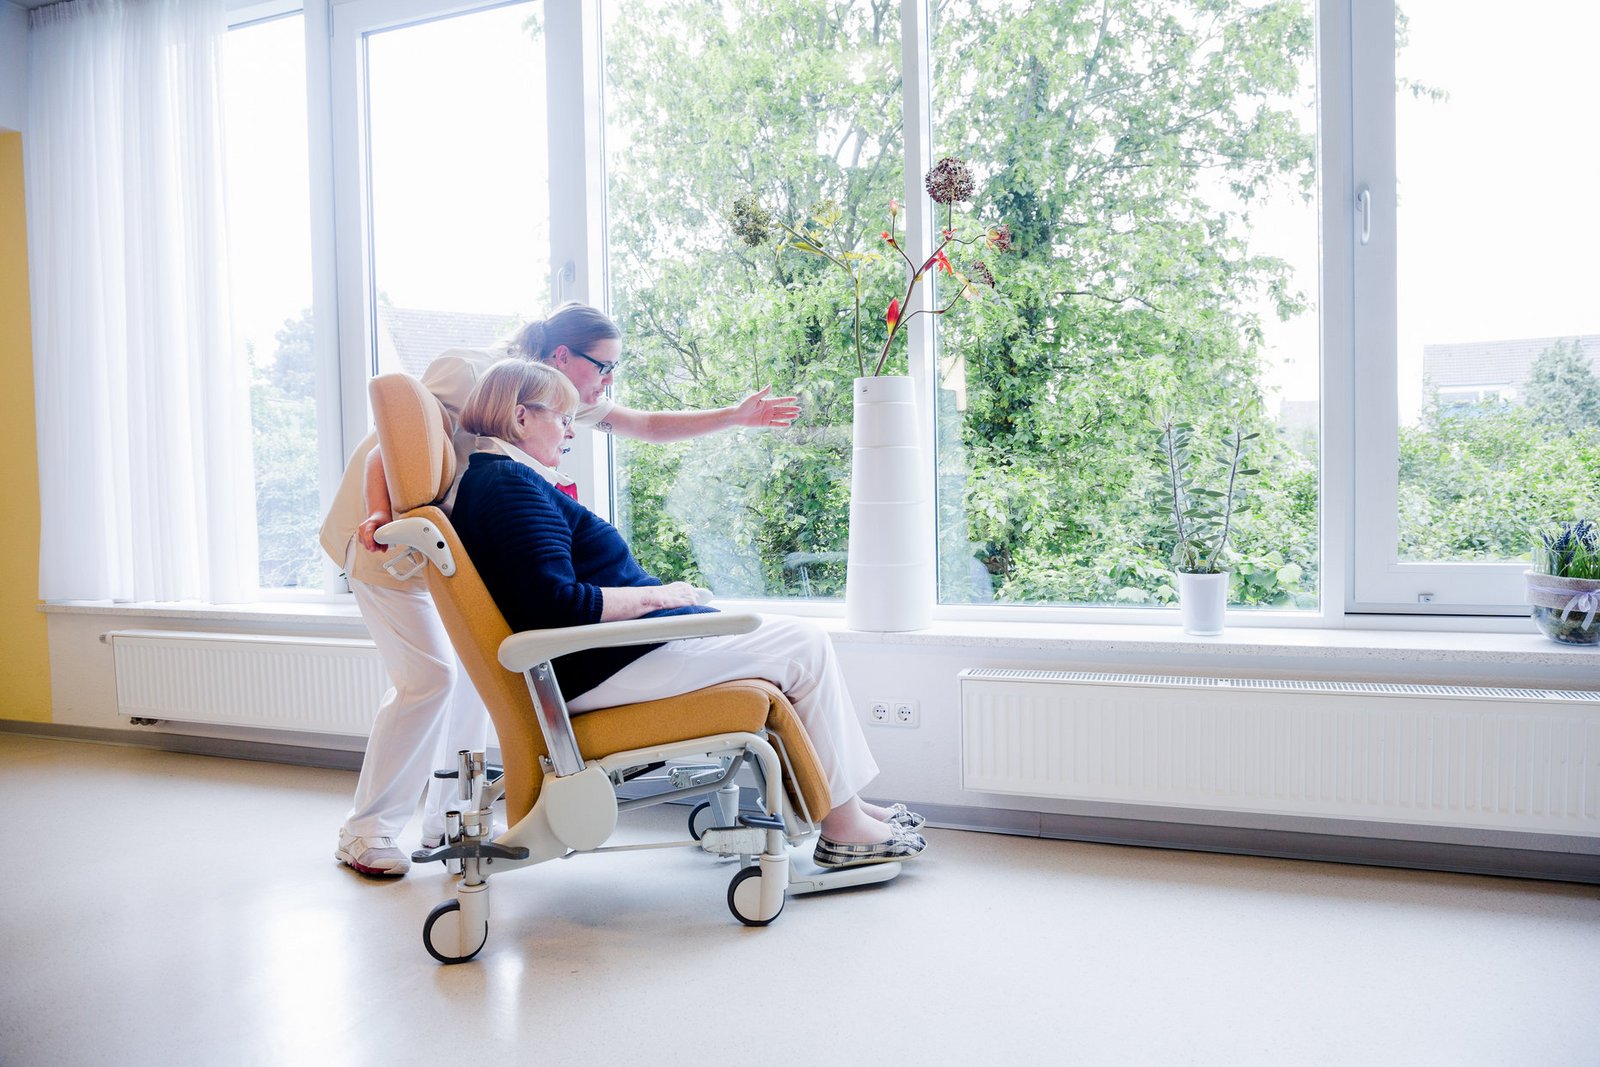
(1202, 520)
(889, 567)
(1564, 582)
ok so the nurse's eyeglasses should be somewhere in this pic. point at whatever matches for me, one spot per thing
(603, 368)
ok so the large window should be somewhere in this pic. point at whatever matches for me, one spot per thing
(725, 123)
(1361, 233)
(1158, 252)
(1154, 167)
(437, 191)
(458, 182)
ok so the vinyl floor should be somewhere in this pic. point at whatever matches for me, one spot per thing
(158, 908)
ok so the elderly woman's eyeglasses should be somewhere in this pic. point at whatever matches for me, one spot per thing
(562, 417)
(603, 368)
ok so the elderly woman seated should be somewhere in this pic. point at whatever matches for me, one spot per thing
(549, 561)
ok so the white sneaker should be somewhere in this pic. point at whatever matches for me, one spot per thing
(372, 855)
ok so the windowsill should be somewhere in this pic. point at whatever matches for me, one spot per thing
(286, 611)
(1398, 646)
(1403, 644)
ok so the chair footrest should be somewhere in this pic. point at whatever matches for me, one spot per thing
(762, 822)
(468, 850)
(491, 771)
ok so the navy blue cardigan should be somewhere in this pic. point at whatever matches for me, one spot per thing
(544, 559)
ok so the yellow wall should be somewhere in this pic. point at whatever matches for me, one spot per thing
(24, 651)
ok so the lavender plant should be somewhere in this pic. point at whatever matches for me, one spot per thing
(1569, 550)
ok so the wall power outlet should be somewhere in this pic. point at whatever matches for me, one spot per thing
(893, 712)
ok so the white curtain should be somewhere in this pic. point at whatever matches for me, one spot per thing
(144, 421)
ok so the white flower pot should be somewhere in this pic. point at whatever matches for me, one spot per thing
(1202, 600)
(889, 572)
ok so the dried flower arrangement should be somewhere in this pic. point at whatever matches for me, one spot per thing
(948, 183)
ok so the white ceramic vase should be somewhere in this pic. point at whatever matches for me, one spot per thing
(1202, 600)
(889, 572)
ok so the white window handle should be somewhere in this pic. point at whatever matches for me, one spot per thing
(1364, 205)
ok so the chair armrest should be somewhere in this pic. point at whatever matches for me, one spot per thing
(530, 648)
(422, 537)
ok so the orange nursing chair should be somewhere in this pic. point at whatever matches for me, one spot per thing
(562, 772)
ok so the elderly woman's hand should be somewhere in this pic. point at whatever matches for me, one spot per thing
(676, 595)
(618, 603)
(758, 409)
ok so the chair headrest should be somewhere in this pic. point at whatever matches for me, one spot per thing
(414, 432)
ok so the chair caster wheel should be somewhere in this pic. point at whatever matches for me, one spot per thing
(744, 898)
(441, 934)
(700, 820)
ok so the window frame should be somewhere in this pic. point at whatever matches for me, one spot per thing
(577, 261)
(243, 14)
(1381, 581)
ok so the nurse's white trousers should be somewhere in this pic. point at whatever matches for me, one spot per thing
(431, 713)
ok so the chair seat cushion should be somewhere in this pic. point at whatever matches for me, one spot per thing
(733, 707)
(746, 706)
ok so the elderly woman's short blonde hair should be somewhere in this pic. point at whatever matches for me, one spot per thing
(491, 410)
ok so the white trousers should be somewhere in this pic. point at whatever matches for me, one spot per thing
(431, 713)
(793, 654)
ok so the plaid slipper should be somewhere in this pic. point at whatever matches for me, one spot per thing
(903, 845)
(905, 818)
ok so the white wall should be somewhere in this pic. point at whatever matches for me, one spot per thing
(13, 66)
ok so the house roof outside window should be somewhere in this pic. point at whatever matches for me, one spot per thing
(411, 338)
(1499, 366)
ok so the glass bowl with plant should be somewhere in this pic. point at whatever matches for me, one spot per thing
(1564, 582)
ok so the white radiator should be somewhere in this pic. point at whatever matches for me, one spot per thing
(1520, 759)
(326, 684)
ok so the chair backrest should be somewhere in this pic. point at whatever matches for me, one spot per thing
(419, 456)
(414, 433)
